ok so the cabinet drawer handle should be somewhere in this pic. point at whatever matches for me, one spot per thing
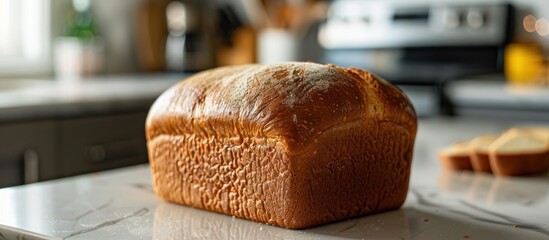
(96, 153)
(115, 150)
(30, 162)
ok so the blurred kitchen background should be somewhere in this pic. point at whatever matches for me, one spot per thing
(77, 77)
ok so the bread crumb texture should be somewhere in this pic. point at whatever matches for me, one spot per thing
(293, 144)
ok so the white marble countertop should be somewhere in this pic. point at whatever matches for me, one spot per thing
(493, 91)
(28, 98)
(120, 204)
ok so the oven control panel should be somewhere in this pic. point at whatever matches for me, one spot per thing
(380, 24)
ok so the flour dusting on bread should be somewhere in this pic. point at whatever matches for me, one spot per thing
(311, 77)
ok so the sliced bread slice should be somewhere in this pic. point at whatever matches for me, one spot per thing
(519, 152)
(541, 132)
(456, 156)
(480, 159)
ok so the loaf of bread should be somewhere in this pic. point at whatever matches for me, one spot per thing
(292, 144)
(456, 156)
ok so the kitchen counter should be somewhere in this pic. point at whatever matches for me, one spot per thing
(52, 128)
(120, 204)
(25, 99)
(492, 96)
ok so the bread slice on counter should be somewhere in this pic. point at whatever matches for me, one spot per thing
(519, 152)
(293, 144)
(480, 159)
(541, 132)
(456, 156)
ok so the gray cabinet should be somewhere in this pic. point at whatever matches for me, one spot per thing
(27, 152)
(101, 142)
(47, 149)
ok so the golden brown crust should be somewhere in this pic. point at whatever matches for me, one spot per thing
(294, 101)
(480, 161)
(292, 144)
(517, 164)
(455, 162)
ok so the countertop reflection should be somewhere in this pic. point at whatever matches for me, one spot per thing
(120, 204)
(488, 189)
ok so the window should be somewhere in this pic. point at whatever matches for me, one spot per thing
(25, 46)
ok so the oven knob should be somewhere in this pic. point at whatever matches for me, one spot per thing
(475, 18)
(450, 19)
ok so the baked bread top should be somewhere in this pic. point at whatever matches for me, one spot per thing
(290, 102)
